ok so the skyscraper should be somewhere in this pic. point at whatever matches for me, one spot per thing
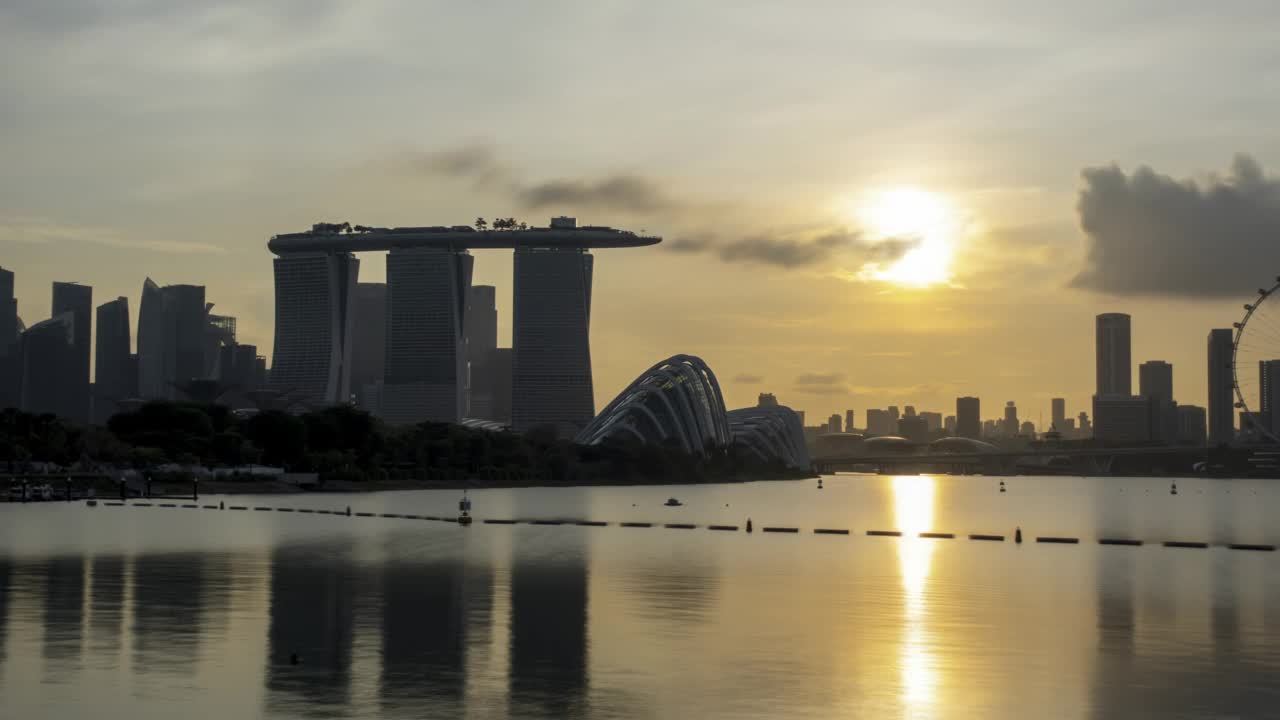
(1221, 387)
(1059, 406)
(1155, 379)
(8, 312)
(78, 300)
(314, 326)
(1115, 370)
(369, 344)
(833, 423)
(1269, 394)
(50, 363)
(220, 332)
(949, 425)
(114, 378)
(155, 365)
(932, 421)
(426, 314)
(968, 417)
(1010, 426)
(1192, 425)
(482, 340)
(10, 347)
(551, 350)
(848, 421)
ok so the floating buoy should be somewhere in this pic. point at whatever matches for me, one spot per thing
(1017, 536)
(1173, 488)
(1001, 486)
(748, 524)
(819, 483)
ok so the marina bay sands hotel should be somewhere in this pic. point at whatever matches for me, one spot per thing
(428, 285)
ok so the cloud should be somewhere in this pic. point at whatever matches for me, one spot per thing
(821, 384)
(748, 379)
(689, 244)
(36, 230)
(1151, 234)
(626, 193)
(796, 251)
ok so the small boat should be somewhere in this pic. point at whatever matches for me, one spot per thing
(464, 507)
(91, 503)
(672, 502)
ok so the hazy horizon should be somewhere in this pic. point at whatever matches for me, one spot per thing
(861, 205)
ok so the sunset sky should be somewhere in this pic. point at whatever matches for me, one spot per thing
(864, 204)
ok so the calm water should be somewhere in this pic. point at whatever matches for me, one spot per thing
(172, 613)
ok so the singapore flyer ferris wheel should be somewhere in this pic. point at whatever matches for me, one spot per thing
(1255, 364)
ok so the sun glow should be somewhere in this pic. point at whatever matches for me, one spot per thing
(924, 223)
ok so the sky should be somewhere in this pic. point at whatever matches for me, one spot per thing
(863, 203)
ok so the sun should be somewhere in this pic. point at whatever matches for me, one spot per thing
(924, 223)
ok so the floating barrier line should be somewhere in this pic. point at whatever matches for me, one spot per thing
(680, 526)
(780, 529)
(1059, 540)
(1119, 541)
(830, 531)
(992, 538)
(885, 533)
(1185, 544)
(729, 528)
(1246, 546)
(938, 535)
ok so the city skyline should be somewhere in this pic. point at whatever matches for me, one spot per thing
(990, 297)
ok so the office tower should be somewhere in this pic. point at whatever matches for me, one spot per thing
(913, 428)
(426, 354)
(1068, 428)
(1059, 406)
(312, 355)
(766, 400)
(551, 351)
(894, 415)
(1010, 419)
(1121, 419)
(909, 411)
(833, 423)
(173, 338)
(1221, 387)
(1192, 425)
(220, 332)
(968, 417)
(78, 300)
(1115, 373)
(1027, 429)
(369, 344)
(949, 425)
(500, 373)
(50, 367)
(1269, 394)
(1084, 428)
(152, 359)
(932, 421)
(8, 312)
(991, 428)
(190, 328)
(114, 379)
(481, 341)
(848, 421)
(880, 422)
(237, 367)
(1155, 379)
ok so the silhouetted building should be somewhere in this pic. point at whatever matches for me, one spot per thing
(880, 422)
(1155, 381)
(427, 291)
(1010, 426)
(116, 376)
(173, 338)
(482, 342)
(767, 400)
(500, 373)
(1269, 394)
(1115, 369)
(8, 312)
(220, 331)
(238, 368)
(1084, 428)
(949, 425)
(1192, 425)
(894, 414)
(848, 421)
(78, 300)
(834, 424)
(991, 428)
(551, 349)
(1221, 387)
(933, 421)
(314, 326)
(369, 344)
(1027, 429)
(1059, 414)
(913, 428)
(10, 347)
(968, 417)
(1123, 418)
(50, 364)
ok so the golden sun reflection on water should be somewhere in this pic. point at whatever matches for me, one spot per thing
(913, 511)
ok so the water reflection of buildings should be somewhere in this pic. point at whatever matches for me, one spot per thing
(106, 611)
(6, 589)
(312, 613)
(63, 608)
(548, 655)
(168, 591)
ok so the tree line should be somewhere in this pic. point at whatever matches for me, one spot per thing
(345, 443)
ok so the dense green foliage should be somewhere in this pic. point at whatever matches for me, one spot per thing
(344, 443)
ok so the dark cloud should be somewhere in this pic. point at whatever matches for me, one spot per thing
(689, 244)
(793, 252)
(476, 163)
(748, 379)
(626, 193)
(821, 384)
(1152, 234)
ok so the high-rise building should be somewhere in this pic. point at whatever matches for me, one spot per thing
(1010, 427)
(1124, 418)
(10, 345)
(551, 350)
(220, 332)
(833, 423)
(1084, 428)
(968, 417)
(949, 425)
(880, 422)
(8, 312)
(1221, 387)
(1027, 429)
(1059, 407)
(500, 372)
(991, 428)
(767, 400)
(1155, 379)
(894, 415)
(1115, 369)
(1192, 425)
(369, 344)
(174, 338)
(932, 421)
(848, 421)
(50, 366)
(78, 300)
(427, 291)
(115, 378)
(913, 428)
(314, 293)
(238, 367)
(481, 342)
